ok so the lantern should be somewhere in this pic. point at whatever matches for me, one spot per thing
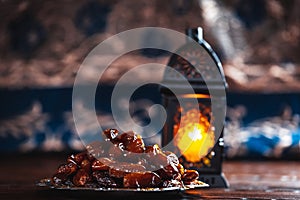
(190, 126)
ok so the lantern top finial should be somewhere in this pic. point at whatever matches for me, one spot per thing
(194, 33)
(197, 62)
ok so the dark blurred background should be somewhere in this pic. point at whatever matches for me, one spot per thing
(42, 44)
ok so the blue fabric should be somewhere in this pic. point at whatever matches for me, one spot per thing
(260, 132)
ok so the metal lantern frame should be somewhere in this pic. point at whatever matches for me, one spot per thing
(210, 167)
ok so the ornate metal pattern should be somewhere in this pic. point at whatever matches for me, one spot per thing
(201, 65)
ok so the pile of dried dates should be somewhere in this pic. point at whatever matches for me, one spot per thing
(123, 161)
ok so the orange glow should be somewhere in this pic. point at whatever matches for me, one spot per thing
(197, 96)
(194, 137)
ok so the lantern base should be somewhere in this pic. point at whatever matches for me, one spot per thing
(215, 180)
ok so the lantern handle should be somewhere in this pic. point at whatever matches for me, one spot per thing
(194, 34)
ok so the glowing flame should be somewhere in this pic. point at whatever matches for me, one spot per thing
(194, 137)
(198, 96)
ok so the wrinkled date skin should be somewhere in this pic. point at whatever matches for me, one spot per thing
(172, 158)
(169, 172)
(77, 159)
(63, 172)
(104, 180)
(156, 161)
(115, 152)
(121, 169)
(190, 175)
(180, 169)
(99, 166)
(98, 149)
(132, 142)
(172, 183)
(81, 178)
(123, 160)
(111, 134)
(141, 180)
(86, 165)
(153, 149)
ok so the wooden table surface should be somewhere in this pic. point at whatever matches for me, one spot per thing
(248, 180)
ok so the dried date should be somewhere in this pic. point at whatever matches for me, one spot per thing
(123, 160)
(111, 134)
(141, 180)
(81, 178)
(86, 165)
(103, 179)
(99, 166)
(153, 149)
(98, 149)
(131, 142)
(64, 171)
(157, 161)
(180, 169)
(190, 175)
(169, 172)
(172, 158)
(115, 152)
(172, 183)
(119, 170)
(77, 158)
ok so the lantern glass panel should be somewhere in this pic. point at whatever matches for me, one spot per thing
(191, 130)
